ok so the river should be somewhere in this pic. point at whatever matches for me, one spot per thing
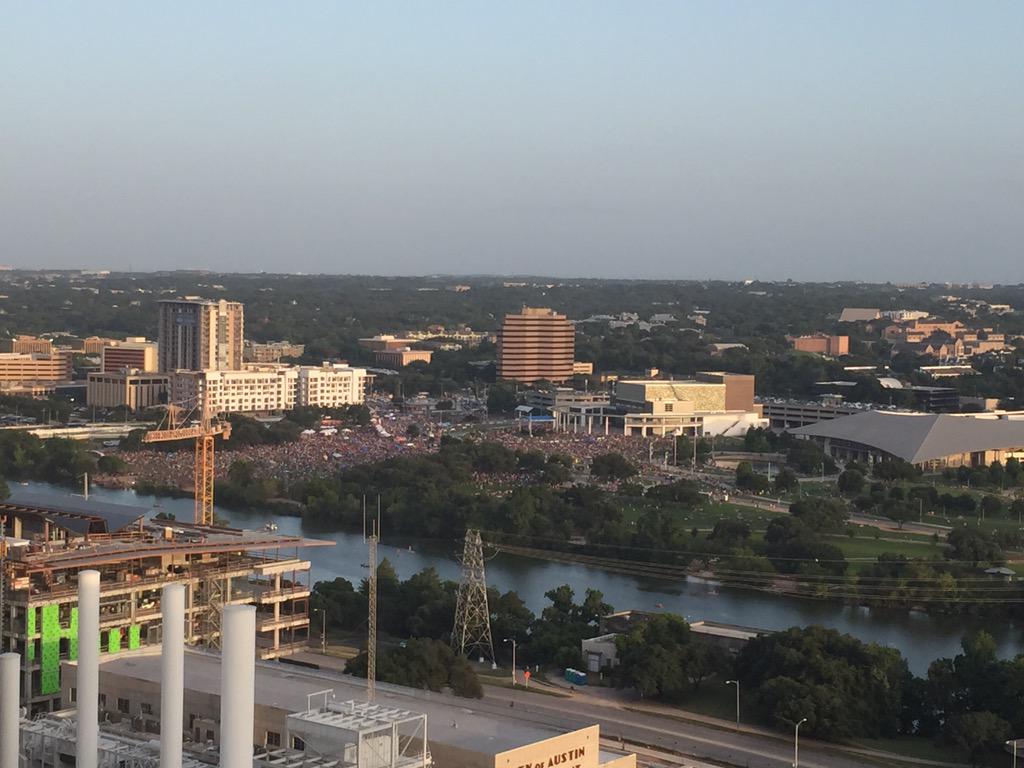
(920, 637)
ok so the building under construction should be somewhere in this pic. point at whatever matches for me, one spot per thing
(50, 539)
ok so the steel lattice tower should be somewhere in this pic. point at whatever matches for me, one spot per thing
(472, 631)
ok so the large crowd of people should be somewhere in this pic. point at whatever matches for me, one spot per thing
(322, 453)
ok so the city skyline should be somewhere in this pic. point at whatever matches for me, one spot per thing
(727, 140)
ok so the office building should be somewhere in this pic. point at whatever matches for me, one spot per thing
(27, 345)
(34, 373)
(126, 387)
(536, 344)
(200, 335)
(134, 353)
(271, 388)
(53, 539)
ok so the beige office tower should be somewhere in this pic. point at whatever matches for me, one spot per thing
(536, 344)
(200, 335)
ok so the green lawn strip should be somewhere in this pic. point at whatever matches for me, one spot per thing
(916, 747)
(870, 549)
(505, 681)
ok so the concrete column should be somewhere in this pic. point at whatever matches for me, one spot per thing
(237, 685)
(88, 678)
(10, 674)
(172, 674)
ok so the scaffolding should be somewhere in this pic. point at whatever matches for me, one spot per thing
(362, 735)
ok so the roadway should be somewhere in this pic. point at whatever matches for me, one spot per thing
(704, 742)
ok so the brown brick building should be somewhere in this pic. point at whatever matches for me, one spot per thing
(536, 344)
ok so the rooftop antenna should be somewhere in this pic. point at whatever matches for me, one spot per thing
(371, 624)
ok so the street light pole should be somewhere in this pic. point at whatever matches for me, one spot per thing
(513, 641)
(796, 744)
(737, 684)
(323, 630)
(1014, 744)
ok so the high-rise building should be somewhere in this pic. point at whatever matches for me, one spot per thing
(536, 344)
(200, 335)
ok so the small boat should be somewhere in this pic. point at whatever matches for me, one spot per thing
(271, 526)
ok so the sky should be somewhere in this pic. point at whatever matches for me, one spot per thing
(873, 140)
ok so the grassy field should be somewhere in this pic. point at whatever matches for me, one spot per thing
(915, 747)
(868, 549)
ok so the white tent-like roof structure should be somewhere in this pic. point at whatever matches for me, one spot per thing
(920, 437)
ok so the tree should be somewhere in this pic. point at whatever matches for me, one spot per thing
(785, 481)
(819, 514)
(501, 398)
(850, 482)
(611, 466)
(749, 480)
(808, 458)
(898, 511)
(980, 734)
(843, 686)
(974, 545)
(111, 465)
(661, 659)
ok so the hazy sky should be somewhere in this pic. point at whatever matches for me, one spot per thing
(816, 140)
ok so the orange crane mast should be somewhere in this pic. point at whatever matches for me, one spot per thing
(204, 433)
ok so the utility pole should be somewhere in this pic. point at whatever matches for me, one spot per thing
(796, 744)
(371, 624)
(472, 630)
(513, 641)
(323, 630)
(737, 684)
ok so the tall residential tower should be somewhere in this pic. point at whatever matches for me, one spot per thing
(200, 335)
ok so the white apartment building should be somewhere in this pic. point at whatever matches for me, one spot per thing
(331, 385)
(269, 388)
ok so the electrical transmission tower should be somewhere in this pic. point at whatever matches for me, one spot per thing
(371, 623)
(472, 631)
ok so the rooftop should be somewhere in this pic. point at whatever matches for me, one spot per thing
(288, 687)
(920, 437)
(75, 512)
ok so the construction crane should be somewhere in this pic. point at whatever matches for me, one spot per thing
(203, 430)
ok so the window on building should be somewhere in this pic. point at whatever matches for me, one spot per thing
(103, 701)
(209, 735)
(273, 739)
(146, 708)
(298, 744)
(124, 706)
(74, 695)
(668, 407)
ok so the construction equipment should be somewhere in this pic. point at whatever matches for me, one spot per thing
(203, 430)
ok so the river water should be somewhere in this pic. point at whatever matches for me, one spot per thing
(920, 637)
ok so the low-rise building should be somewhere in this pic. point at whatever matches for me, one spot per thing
(821, 344)
(711, 403)
(270, 351)
(270, 388)
(313, 710)
(931, 441)
(128, 388)
(27, 345)
(401, 356)
(34, 372)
